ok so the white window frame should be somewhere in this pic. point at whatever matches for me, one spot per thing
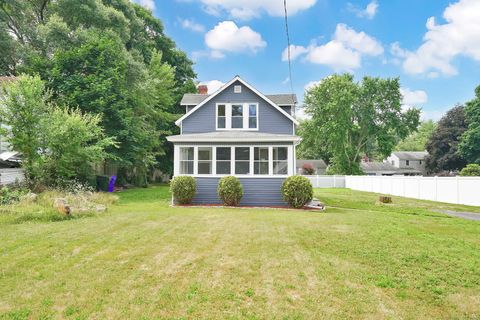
(228, 116)
(290, 157)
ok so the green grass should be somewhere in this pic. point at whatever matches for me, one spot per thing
(145, 260)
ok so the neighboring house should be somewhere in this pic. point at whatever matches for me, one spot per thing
(379, 169)
(319, 165)
(241, 132)
(8, 158)
(409, 162)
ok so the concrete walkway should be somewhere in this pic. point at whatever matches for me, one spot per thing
(464, 215)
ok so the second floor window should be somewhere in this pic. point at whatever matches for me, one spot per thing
(237, 116)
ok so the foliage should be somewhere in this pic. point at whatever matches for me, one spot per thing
(110, 58)
(297, 191)
(9, 196)
(308, 169)
(349, 120)
(417, 141)
(469, 146)
(471, 169)
(230, 190)
(183, 189)
(58, 145)
(443, 143)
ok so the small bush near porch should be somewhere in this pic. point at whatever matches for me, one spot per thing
(145, 260)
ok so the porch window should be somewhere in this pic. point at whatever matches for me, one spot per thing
(204, 160)
(223, 160)
(242, 160)
(260, 165)
(280, 160)
(186, 160)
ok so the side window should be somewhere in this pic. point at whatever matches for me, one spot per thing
(186, 160)
(252, 116)
(407, 162)
(221, 116)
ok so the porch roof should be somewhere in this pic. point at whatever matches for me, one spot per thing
(234, 136)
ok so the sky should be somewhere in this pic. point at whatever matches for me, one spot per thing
(433, 46)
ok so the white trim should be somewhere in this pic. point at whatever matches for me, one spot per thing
(198, 138)
(226, 85)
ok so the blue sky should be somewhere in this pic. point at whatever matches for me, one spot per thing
(432, 45)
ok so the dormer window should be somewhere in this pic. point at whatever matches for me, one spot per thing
(237, 89)
(237, 116)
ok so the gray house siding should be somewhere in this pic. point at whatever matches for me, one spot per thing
(287, 109)
(256, 191)
(270, 120)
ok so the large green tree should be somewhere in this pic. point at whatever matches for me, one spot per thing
(443, 143)
(351, 119)
(104, 57)
(469, 146)
(417, 141)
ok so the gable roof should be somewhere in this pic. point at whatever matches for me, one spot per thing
(192, 99)
(226, 85)
(411, 155)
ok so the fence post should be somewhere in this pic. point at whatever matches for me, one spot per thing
(418, 187)
(318, 184)
(458, 191)
(436, 187)
(334, 184)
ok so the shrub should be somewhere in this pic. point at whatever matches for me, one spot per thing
(9, 196)
(297, 191)
(308, 169)
(472, 169)
(183, 189)
(230, 190)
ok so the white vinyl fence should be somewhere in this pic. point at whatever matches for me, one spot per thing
(11, 175)
(459, 190)
(327, 181)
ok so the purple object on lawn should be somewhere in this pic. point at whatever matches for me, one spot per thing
(111, 185)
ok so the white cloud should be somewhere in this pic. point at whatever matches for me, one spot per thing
(413, 97)
(434, 115)
(227, 37)
(248, 9)
(459, 36)
(287, 80)
(335, 55)
(311, 84)
(369, 12)
(359, 41)
(191, 25)
(212, 85)
(295, 52)
(149, 4)
(343, 52)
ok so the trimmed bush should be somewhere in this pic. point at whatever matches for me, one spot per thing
(471, 170)
(183, 189)
(297, 191)
(230, 190)
(308, 169)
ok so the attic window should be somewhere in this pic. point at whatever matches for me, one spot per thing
(237, 89)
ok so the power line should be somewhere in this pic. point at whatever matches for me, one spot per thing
(288, 46)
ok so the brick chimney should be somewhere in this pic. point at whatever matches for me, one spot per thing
(202, 89)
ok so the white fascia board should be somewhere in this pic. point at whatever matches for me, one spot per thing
(261, 95)
(234, 140)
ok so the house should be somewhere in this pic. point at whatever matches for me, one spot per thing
(237, 131)
(408, 162)
(378, 168)
(319, 166)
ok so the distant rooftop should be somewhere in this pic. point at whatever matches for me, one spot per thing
(411, 155)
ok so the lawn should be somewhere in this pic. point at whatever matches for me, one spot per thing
(145, 260)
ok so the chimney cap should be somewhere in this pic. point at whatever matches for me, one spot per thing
(202, 89)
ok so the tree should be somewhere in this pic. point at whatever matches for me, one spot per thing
(469, 146)
(471, 169)
(23, 106)
(349, 119)
(417, 141)
(58, 145)
(105, 57)
(443, 143)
